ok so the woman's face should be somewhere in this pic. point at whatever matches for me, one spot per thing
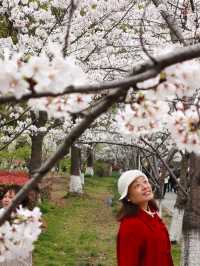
(8, 197)
(140, 192)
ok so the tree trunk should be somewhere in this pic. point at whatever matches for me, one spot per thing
(90, 163)
(110, 170)
(35, 162)
(36, 152)
(191, 219)
(191, 248)
(175, 231)
(177, 219)
(163, 174)
(37, 141)
(75, 185)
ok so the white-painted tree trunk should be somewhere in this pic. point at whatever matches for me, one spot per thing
(19, 262)
(75, 184)
(191, 248)
(139, 163)
(82, 178)
(89, 171)
(175, 231)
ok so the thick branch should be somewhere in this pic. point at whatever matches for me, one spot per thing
(192, 5)
(141, 72)
(62, 150)
(171, 23)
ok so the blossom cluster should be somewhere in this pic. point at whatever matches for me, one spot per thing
(153, 108)
(177, 81)
(18, 235)
(61, 107)
(142, 116)
(106, 39)
(98, 32)
(42, 74)
(184, 126)
(31, 20)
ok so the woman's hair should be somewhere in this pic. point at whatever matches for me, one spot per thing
(130, 209)
(15, 189)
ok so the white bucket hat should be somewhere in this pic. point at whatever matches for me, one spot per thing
(126, 179)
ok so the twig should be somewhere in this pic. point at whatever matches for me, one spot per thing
(71, 12)
(16, 136)
(106, 34)
(141, 36)
(115, 143)
(15, 119)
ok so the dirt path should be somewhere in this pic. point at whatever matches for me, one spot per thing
(59, 188)
(58, 193)
(95, 217)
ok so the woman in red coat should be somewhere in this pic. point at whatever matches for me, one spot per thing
(142, 239)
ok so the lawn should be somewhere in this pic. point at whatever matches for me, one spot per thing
(81, 231)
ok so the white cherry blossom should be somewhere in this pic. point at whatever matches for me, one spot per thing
(143, 116)
(184, 128)
(19, 234)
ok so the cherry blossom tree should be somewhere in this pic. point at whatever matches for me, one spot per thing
(96, 65)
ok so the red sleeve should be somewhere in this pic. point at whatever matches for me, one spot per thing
(130, 243)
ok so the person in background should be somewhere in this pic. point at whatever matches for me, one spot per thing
(6, 200)
(166, 185)
(142, 238)
(7, 196)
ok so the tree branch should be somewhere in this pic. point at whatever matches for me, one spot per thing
(62, 150)
(171, 23)
(71, 12)
(16, 136)
(117, 144)
(167, 167)
(15, 119)
(192, 5)
(141, 72)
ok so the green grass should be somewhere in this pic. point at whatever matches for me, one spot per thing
(176, 253)
(81, 231)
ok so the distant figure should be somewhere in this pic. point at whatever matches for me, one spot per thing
(166, 185)
(172, 184)
(109, 201)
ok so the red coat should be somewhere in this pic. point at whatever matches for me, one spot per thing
(143, 241)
